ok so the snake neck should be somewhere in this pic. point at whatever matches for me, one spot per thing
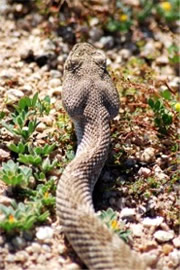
(81, 174)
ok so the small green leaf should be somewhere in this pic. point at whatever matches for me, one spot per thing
(157, 105)
(34, 100)
(151, 103)
(166, 94)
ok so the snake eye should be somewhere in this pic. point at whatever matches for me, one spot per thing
(100, 60)
(72, 65)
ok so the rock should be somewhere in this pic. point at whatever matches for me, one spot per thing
(55, 82)
(36, 247)
(174, 256)
(44, 233)
(47, 249)
(10, 258)
(27, 89)
(19, 242)
(93, 21)
(176, 242)
(128, 212)
(14, 94)
(28, 235)
(41, 127)
(41, 259)
(61, 249)
(137, 230)
(21, 256)
(166, 249)
(159, 174)
(48, 120)
(67, 33)
(4, 155)
(162, 60)
(163, 236)
(151, 257)
(125, 53)
(5, 200)
(144, 172)
(174, 83)
(148, 222)
(148, 155)
(8, 73)
(96, 33)
(55, 73)
(107, 42)
(72, 266)
(55, 91)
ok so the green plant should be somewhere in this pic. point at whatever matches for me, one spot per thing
(174, 54)
(169, 10)
(23, 119)
(163, 118)
(109, 217)
(21, 216)
(14, 175)
(146, 9)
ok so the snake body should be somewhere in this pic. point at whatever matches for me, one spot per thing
(91, 100)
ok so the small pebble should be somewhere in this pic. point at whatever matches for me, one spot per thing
(163, 236)
(21, 256)
(10, 258)
(166, 249)
(137, 230)
(41, 127)
(174, 256)
(36, 247)
(72, 266)
(61, 249)
(44, 233)
(176, 242)
(55, 82)
(144, 172)
(127, 212)
(148, 222)
(19, 242)
(148, 155)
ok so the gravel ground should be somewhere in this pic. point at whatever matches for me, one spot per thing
(31, 61)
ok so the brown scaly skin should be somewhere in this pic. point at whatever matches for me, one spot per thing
(91, 100)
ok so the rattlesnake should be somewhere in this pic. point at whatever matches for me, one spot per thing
(91, 100)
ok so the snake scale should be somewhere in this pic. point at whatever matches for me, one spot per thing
(91, 100)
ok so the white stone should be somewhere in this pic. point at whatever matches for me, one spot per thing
(72, 266)
(163, 59)
(44, 233)
(127, 212)
(174, 256)
(176, 242)
(125, 53)
(55, 82)
(41, 127)
(137, 230)
(148, 155)
(36, 247)
(144, 171)
(15, 92)
(163, 236)
(148, 222)
(159, 174)
(151, 257)
(61, 248)
(21, 256)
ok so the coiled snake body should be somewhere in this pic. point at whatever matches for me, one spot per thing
(91, 101)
